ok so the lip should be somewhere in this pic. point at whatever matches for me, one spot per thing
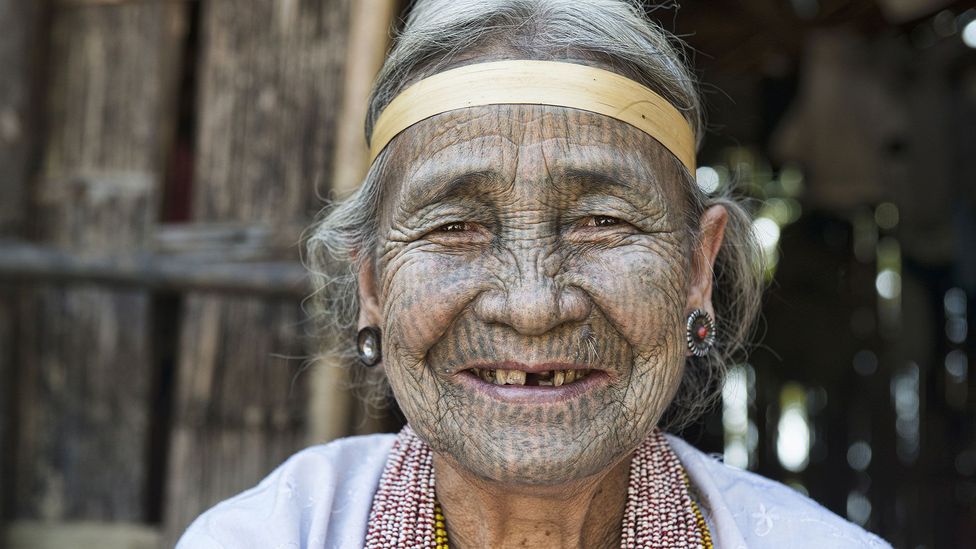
(528, 394)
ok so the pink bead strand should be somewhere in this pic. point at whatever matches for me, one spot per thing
(659, 512)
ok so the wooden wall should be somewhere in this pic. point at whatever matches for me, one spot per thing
(269, 83)
(158, 162)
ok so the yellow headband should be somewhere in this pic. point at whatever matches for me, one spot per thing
(538, 83)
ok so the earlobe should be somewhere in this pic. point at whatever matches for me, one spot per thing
(369, 304)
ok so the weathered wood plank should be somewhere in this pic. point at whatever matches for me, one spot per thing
(85, 357)
(228, 241)
(270, 81)
(18, 28)
(270, 78)
(240, 402)
(19, 34)
(7, 393)
(80, 453)
(331, 401)
(79, 535)
(30, 264)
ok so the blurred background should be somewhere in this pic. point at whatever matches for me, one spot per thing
(159, 160)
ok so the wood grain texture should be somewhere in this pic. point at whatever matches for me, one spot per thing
(79, 535)
(240, 401)
(270, 79)
(332, 404)
(370, 28)
(85, 353)
(19, 20)
(84, 388)
(26, 263)
(19, 26)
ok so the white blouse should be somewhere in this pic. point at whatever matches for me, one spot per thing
(320, 499)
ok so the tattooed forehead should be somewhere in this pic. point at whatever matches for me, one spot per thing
(484, 152)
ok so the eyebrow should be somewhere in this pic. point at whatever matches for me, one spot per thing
(439, 187)
(595, 179)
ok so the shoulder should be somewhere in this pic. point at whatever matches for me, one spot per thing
(748, 510)
(320, 496)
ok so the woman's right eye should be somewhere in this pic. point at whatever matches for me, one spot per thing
(459, 232)
(452, 227)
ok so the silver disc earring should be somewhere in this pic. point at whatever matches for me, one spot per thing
(700, 333)
(368, 346)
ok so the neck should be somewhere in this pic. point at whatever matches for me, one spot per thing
(481, 513)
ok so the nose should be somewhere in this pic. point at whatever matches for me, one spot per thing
(533, 303)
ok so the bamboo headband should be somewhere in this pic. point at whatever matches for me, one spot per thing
(552, 83)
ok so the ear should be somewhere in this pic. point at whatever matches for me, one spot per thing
(712, 225)
(369, 303)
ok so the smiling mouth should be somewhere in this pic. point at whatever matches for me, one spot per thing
(547, 378)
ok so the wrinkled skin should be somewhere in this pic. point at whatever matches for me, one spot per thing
(534, 234)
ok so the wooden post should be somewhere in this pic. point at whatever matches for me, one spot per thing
(370, 25)
(19, 22)
(85, 362)
(331, 404)
(270, 81)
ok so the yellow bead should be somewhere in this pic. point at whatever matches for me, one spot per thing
(440, 530)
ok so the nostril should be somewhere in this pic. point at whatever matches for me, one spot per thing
(574, 306)
(490, 307)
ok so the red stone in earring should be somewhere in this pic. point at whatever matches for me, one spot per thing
(700, 333)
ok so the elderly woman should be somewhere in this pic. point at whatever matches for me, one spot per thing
(532, 269)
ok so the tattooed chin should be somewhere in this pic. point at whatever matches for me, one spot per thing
(535, 415)
(538, 409)
(529, 423)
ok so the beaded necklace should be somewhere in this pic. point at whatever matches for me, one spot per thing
(660, 511)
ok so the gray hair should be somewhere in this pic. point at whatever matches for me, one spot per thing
(615, 34)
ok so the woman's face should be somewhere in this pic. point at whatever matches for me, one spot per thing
(530, 240)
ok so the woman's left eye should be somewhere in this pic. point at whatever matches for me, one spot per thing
(605, 221)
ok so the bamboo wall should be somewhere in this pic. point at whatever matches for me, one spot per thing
(158, 162)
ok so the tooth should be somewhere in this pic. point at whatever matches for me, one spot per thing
(545, 383)
(558, 377)
(501, 377)
(486, 375)
(516, 377)
(570, 376)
